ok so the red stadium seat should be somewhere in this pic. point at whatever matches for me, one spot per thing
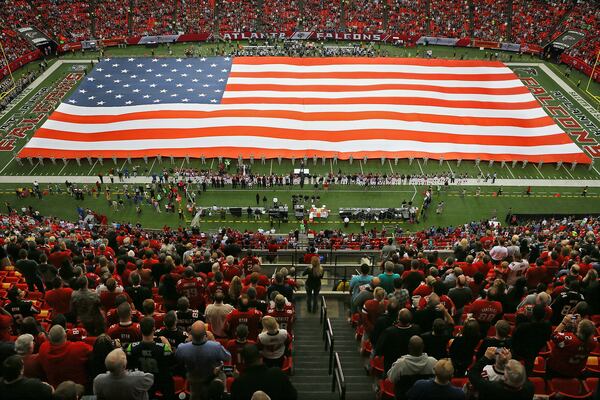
(540, 386)
(592, 384)
(386, 390)
(288, 365)
(366, 347)
(568, 389)
(539, 366)
(376, 364)
(592, 367)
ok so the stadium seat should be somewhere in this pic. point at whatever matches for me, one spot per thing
(568, 389)
(366, 347)
(376, 364)
(386, 390)
(592, 384)
(540, 386)
(539, 366)
(288, 365)
(592, 367)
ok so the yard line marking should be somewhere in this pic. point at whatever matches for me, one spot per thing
(152, 166)
(361, 168)
(421, 168)
(123, 167)
(479, 168)
(390, 162)
(64, 166)
(539, 172)
(331, 165)
(271, 168)
(508, 168)
(568, 171)
(91, 169)
(415, 193)
(8, 163)
(449, 166)
(34, 167)
(182, 163)
(212, 160)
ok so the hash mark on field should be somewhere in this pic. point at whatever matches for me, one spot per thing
(390, 162)
(569, 173)
(449, 166)
(152, 166)
(509, 171)
(8, 163)
(34, 167)
(361, 168)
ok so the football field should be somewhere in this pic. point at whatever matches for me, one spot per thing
(555, 188)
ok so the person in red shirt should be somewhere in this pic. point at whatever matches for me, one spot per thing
(487, 311)
(424, 288)
(537, 274)
(247, 263)
(261, 279)
(217, 284)
(250, 317)
(193, 288)
(59, 254)
(235, 347)
(483, 264)
(148, 309)
(284, 315)
(107, 297)
(261, 290)
(468, 268)
(571, 349)
(126, 330)
(112, 316)
(59, 298)
(373, 309)
(62, 360)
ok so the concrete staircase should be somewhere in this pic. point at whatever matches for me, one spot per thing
(311, 361)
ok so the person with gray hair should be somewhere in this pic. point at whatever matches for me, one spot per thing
(24, 346)
(119, 383)
(514, 385)
(63, 360)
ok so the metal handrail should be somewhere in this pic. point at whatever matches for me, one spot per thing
(323, 314)
(338, 379)
(329, 345)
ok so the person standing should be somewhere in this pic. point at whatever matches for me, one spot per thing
(313, 274)
(29, 269)
(120, 384)
(202, 358)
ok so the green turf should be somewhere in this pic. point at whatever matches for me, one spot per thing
(458, 210)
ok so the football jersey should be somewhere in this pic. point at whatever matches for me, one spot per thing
(527, 310)
(152, 357)
(250, 318)
(20, 309)
(235, 349)
(569, 355)
(193, 289)
(125, 333)
(175, 337)
(285, 318)
(486, 311)
(563, 304)
(185, 319)
(112, 317)
(76, 334)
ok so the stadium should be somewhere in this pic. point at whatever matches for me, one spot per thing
(304, 199)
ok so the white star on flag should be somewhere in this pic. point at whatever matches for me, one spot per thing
(91, 97)
(91, 79)
(128, 102)
(124, 71)
(157, 101)
(179, 60)
(185, 100)
(82, 91)
(100, 103)
(131, 59)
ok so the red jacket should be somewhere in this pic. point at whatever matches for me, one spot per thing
(65, 362)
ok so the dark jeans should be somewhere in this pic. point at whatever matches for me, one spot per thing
(312, 296)
(33, 282)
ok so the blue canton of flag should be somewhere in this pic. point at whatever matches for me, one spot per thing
(121, 82)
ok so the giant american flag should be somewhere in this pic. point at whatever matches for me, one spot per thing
(302, 107)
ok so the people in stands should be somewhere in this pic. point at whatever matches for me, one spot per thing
(573, 341)
(201, 358)
(243, 314)
(153, 357)
(273, 342)
(393, 342)
(30, 270)
(436, 340)
(126, 331)
(216, 315)
(411, 367)
(185, 315)
(462, 347)
(438, 388)
(170, 331)
(236, 346)
(530, 335)
(119, 383)
(19, 307)
(314, 274)
(282, 287)
(136, 292)
(513, 384)
(388, 276)
(63, 360)
(257, 376)
(15, 386)
(283, 313)
(500, 340)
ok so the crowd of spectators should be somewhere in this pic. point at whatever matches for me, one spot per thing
(88, 306)
(9, 89)
(507, 305)
(534, 20)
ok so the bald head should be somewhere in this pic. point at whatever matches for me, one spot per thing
(415, 346)
(116, 361)
(260, 395)
(57, 335)
(405, 316)
(543, 298)
(198, 332)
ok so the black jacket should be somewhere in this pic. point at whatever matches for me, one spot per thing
(270, 380)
